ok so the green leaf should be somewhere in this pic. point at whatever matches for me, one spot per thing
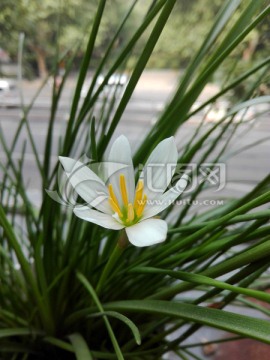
(26, 269)
(205, 280)
(240, 218)
(81, 349)
(93, 294)
(139, 68)
(93, 140)
(58, 343)
(84, 69)
(239, 324)
(252, 102)
(251, 255)
(18, 332)
(126, 320)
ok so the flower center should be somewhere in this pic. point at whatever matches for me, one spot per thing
(128, 213)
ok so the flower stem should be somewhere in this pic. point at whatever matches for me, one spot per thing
(115, 255)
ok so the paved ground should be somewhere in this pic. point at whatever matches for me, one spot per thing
(242, 171)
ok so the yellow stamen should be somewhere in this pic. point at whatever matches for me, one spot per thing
(115, 207)
(112, 195)
(138, 194)
(141, 206)
(123, 189)
(130, 214)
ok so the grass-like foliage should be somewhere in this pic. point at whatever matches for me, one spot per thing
(58, 300)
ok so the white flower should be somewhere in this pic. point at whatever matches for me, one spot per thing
(122, 205)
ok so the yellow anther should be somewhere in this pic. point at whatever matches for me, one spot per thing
(112, 195)
(115, 207)
(138, 194)
(130, 213)
(123, 189)
(141, 206)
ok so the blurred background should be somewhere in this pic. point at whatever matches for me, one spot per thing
(35, 35)
(64, 24)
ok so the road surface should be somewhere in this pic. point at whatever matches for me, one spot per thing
(242, 171)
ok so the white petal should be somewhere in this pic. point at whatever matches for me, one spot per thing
(68, 163)
(148, 232)
(96, 217)
(166, 199)
(87, 184)
(159, 168)
(78, 170)
(120, 153)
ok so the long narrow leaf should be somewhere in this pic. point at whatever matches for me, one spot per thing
(238, 324)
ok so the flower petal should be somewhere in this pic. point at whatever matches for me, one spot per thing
(87, 184)
(120, 153)
(159, 168)
(96, 217)
(157, 205)
(148, 232)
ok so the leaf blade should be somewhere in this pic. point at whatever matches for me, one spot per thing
(80, 347)
(239, 324)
